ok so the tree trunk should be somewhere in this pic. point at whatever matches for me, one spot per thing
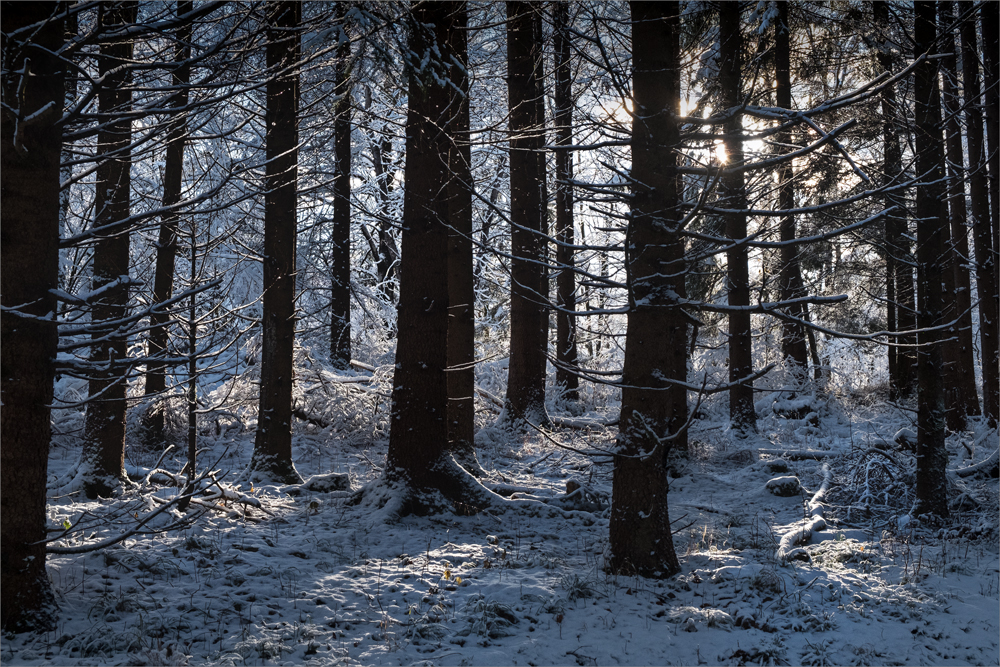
(103, 457)
(340, 262)
(979, 203)
(987, 244)
(461, 375)
(932, 456)
(29, 270)
(166, 247)
(526, 375)
(960, 372)
(388, 254)
(898, 259)
(419, 455)
(566, 355)
(655, 342)
(272, 455)
(741, 407)
(793, 335)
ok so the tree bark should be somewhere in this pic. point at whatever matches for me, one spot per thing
(979, 203)
(272, 455)
(932, 456)
(793, 335)
(461, 286)
(29, 270)
(166, 247)
(103, 458)
(898, 255)
(419, 454)
(340, 263)
(987, 243)
(741, 405)
(566, 353)
(961, 396)
(640, 536)
(525, 400)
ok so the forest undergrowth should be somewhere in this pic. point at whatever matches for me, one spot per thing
(298, 575)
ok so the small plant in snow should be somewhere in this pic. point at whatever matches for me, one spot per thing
(489, 618)
(819, 653)
(770, 652)
(577, 588)
(866, 655)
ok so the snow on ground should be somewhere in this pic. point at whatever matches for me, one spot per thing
(310, 580)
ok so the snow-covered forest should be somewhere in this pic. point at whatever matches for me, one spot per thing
(378, 332)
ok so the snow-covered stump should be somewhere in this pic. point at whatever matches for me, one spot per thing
(788, 547)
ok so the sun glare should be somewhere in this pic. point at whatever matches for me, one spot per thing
(720, 152)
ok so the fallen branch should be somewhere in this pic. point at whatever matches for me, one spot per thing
(991, 463)
(800, 454)
(115, 539)
(788, 548)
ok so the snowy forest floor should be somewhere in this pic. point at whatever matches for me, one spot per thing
(308, 579)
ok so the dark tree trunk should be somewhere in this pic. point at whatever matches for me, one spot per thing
(979, 202)
(272, 455)
(29, 269)
(898, 255)
(961, 396)
(640, 535)
(340, 249)
(741, 408)
(987, 244)
(66, 171)
(566, 355)
(103, 457)
(526, 375)
(461, 286)
(388, 254)
(538, 102)
(793, 335)
(419, 450)
(932, 456)
(166, 247)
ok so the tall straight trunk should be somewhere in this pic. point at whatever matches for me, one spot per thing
(979, 205)
(793, 335)
(103, 459)
(461, 286)
(545, 254)
(29, 271)
(340, 248)
(388, 254)
(66, 171)
(990, 14)
(419, 456)
(566, 354)
(987, 243)
(272, 454)
(655, 341)
(932, 456)
(525, 398)
(898, 260)
(961, 396)
(166, 247)
(741, 408)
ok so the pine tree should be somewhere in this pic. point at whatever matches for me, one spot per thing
(932, 455)
(656, 340)
(526, 375)
(103, 459)
(29, 271)
(272, 455)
